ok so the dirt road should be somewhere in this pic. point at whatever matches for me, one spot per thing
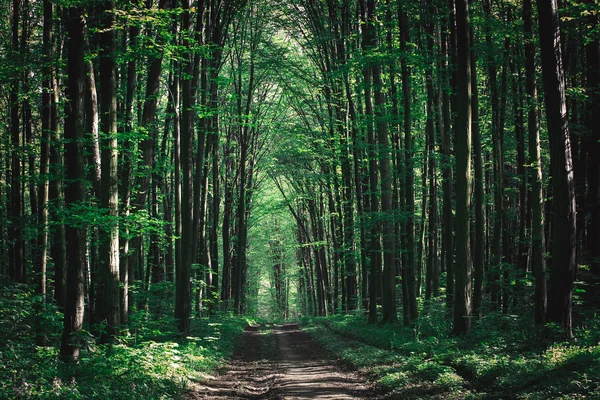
(285, 363)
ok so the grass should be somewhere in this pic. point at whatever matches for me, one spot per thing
(151, 362)
(505, 357)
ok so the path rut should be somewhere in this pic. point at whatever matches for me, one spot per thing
(286, 363)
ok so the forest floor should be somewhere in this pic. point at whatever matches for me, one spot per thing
(282, 363)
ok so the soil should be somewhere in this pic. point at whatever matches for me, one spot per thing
(283, 363)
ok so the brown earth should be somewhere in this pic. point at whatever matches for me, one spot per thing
(285, 363)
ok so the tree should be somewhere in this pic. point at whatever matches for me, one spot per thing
(75, 187)
(564, 232)
(109, 306)
(538, 239)
(462, 298)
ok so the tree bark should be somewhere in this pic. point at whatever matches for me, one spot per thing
(479, 245)
(592, 50)
(16, 257)
(538, 238)
(47, 105)
(109, 294)
(564, 232)
(75, 188)
(373, 232)
(462, 299)
(408, 268)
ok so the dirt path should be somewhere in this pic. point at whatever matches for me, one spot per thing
(285, 363)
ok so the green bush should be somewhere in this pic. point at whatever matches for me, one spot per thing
(505, 356)
(151, 361)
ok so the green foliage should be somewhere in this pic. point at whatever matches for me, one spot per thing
(504, 357)
(152, 362)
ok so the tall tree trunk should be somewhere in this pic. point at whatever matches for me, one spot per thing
(47, 100)
(538, 238)
(429, 158)
(592, 50)
(447, 170)
(479, 245)
(58, 250)
(109, 305)
(241, 228)
(408, 268)
(183, 294)
(564, 232)
(126, 262)
(75, 188)
(17, 247)
(226, 227)
(34, 251)
(498, 168)
(462, 299)
(523, 248)
(369, 37)
(214, 225)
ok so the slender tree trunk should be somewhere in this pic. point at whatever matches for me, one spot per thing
(226, 228)
(47, 100)
(429, 159)
(369, 37)
(32, 246)
(408, 268)
(479, 245)
(523, 248)
(17, 248)
(462, 299)
(183, 295)
(538, 238)
(241, 229)
(447, 169)
(75, 189)
(498, 154)
(58, 248)
(592, 50)
(564, 232)
(214, 226)
(109, 305)
(126, 261)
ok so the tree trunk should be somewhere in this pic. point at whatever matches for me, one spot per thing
(369, 37)
(126, 262)
(47, 105)
(75, 189)
(462, 299)
(498, 154)
(109, 305)
(16, 257)
(447, 170)
(538, 238)
(564, 232)
(183, 295)
(408, 268)
(479, 245)
(592, 121)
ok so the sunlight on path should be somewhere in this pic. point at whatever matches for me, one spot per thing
(309, 374)
(284, 364)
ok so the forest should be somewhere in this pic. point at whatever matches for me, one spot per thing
(189, 186)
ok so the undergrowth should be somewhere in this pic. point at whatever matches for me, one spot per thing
(151, 361)
(504, 357)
